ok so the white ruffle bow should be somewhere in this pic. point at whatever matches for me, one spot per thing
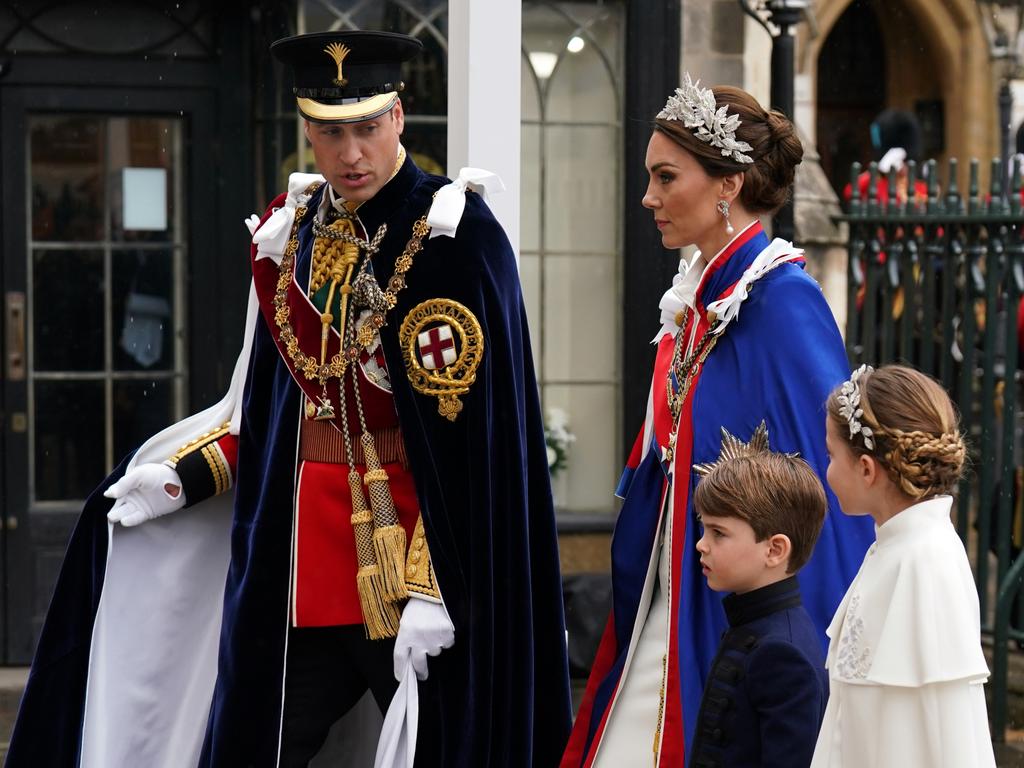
(778, 252)
(450, 201)
(673, 301)
(272, 238)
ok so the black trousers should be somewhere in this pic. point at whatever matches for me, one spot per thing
(328, 671)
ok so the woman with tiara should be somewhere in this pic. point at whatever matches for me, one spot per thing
(746, 337)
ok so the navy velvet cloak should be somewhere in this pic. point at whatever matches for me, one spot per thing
(500, 695)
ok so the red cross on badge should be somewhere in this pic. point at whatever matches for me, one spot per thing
(437, 347)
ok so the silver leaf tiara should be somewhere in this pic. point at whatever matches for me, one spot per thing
(849, 407)
(696, 108)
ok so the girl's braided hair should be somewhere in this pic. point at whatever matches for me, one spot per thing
(915, 431)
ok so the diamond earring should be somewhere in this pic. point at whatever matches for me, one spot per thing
(723, 208)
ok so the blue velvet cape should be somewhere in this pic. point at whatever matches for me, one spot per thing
(777, 362)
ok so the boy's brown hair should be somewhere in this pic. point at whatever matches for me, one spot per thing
(771, 492)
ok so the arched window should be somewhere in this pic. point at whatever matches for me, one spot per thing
(572, 233)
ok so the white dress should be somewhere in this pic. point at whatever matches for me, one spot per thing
(906, 670)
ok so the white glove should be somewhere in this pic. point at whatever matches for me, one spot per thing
(140, 495)
(425, 630)
(252, 223)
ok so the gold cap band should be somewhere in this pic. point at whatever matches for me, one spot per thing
(366, 109)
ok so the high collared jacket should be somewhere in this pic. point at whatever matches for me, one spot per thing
(765, 695)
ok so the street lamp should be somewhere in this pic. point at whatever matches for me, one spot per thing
(779, 18)
(1003, 22)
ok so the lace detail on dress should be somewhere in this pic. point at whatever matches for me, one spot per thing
(854, 658)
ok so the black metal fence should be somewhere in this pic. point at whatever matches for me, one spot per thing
(935, 279)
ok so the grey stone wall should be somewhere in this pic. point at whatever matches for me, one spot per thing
(713, 40)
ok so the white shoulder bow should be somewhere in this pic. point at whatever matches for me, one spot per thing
(272, 238)
(450, 201)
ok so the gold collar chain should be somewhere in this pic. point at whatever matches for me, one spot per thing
(685, 372)
(310, 367)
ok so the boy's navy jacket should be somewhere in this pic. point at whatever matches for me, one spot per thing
(766, 694)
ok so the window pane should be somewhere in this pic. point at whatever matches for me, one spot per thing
(69, 439)
(582, 85)
(145, 147)
(580, 321)
(581, 189)
(67, 177)
(142, 306)
(141, 409)
(529, 100)
(588, 482)
(530, 200)
(529, 277)
(67, 310)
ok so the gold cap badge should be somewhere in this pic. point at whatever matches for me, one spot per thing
(338, 51)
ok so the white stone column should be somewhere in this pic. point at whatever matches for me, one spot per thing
(484, 52)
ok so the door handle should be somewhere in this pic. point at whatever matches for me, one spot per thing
(14, 322)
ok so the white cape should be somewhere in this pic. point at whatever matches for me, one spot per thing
(906, 670)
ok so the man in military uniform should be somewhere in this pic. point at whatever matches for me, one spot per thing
(390, 500)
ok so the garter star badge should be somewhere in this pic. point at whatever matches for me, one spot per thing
(442, 344)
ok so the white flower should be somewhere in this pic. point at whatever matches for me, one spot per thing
(558, 439)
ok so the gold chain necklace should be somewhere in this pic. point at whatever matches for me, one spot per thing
(685, 372)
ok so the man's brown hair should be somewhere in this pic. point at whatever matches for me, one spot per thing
(771, 492)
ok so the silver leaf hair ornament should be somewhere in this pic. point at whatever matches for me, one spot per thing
(696, 108)
(849, 407)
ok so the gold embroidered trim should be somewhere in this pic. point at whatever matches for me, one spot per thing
(199, 443)
(661, 707)
(218, 469)
(450, 381)
(419, 570)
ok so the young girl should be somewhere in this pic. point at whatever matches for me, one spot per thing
(905, 665)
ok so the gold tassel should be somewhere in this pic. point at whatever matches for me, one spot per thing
(380, 615)
(389, 544)
(389, 541)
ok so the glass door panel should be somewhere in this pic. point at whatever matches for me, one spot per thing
(67, 179)
(106, 271)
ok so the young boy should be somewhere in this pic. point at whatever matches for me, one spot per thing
(766, 693)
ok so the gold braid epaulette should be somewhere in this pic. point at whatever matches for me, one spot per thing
(308, 365)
